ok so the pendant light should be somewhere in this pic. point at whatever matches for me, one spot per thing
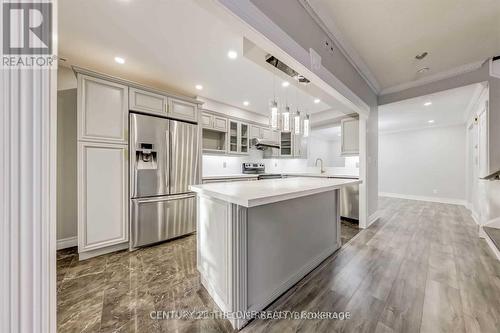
(306, 126)
(274, 107)
(285, 116)
(296, 118)
(297, 122)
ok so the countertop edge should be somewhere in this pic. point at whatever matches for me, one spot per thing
(248, 203)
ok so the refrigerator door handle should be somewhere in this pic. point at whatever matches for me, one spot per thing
(165, 198)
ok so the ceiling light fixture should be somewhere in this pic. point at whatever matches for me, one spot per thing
(231, 54)
(246, 103)
(428, 103)
(421, 55)
(423, 70)
(285, 84)
(317, 100)
(198, 87)
(430, 121)
(120, 60)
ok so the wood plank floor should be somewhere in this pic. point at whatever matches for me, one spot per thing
(420, 268)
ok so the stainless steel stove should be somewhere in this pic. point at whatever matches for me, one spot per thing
(260, 170)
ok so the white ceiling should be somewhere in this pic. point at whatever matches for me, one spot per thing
(172, 44)
(388, 34)
(448, 108)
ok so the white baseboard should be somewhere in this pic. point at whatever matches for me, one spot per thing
(64, 243)
(451, 201)
(105, 250)
(373, 218)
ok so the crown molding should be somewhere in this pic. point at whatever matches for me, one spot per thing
(433, 78)
(344, 46)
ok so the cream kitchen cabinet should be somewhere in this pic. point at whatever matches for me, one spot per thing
(349, 136)
(183, 110)
(145, 101)
(238, 137)
(102, 196)
(102, 110)
(214, 122)
(260, 132)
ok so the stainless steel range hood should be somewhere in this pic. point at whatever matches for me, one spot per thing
(264, 144)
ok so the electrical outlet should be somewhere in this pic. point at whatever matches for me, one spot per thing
(224, 164)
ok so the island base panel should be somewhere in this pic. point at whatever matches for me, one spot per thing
(248, 257)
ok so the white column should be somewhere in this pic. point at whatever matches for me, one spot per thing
(27, 198)
(363, 188)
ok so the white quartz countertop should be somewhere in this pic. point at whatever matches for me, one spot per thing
(237, 175)
(320, 175)
(262, 192)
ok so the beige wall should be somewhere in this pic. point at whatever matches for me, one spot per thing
(66, 155)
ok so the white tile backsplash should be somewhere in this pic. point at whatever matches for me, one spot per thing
(214, 165)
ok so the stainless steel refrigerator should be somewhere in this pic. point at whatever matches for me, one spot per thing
(164, 161)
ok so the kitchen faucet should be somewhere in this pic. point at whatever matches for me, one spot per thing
(316, 164)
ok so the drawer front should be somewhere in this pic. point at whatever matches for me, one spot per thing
(145, 101)
(157, 219)
(220, 123)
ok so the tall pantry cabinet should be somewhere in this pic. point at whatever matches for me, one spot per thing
(102, 166)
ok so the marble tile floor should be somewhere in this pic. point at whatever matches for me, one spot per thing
(420, 268)
(348, 230)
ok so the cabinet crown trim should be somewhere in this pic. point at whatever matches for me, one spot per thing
(132, 84)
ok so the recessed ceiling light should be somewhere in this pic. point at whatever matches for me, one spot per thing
(198, 87)
(317, 100)
(428, 103)
(232, 54)
(246, 103)
(285, 84)
(120, 60)
(423, 70)
(430, 121)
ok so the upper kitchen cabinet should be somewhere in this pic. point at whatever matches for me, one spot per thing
(300, 146)
(145, 101)
(102, 110)
(183, 110)
(260, 132)
(214, 122)
(238, 137)
(286, 139)
(349, 136)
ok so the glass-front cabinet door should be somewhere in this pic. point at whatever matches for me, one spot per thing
(244, 138)
(239, 134)
(233, 137)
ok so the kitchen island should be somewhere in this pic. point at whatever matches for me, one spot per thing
(257, 239)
